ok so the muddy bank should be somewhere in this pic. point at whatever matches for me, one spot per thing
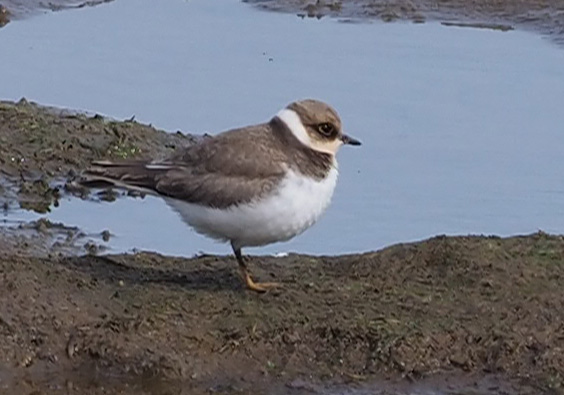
(18, 9)
(41, 149)
(463, 306)
(545, 16)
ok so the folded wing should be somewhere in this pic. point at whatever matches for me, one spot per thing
(232, 168)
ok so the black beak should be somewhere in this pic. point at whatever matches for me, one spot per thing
(349, 140)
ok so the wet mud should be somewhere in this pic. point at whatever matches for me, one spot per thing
(43, 149)
(544, 16)
(447, 307)
(449, 315)
(18, 9)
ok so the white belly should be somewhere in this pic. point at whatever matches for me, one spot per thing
(295, 206)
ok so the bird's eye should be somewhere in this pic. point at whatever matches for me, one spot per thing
(326, 129)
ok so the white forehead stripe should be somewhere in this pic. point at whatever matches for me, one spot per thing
(294, 123)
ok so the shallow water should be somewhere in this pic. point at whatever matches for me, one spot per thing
(461, 128)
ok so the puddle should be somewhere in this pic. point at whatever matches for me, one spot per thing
(461, 128)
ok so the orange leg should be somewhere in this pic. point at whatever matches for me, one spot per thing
(253, 286)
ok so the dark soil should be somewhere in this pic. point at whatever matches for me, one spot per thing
(41, 149)
(456, 305)
(453, 314)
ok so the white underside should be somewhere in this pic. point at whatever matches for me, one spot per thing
(295, 206)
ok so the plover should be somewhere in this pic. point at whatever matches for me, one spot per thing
(250, 186)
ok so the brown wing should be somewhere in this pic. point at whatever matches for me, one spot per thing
(231, 168)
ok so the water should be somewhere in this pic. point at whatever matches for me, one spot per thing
(461, 128)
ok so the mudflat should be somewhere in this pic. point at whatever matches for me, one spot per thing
(17, 9)
(456, 314)
(543, 16)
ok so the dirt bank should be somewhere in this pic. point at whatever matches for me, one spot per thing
(472, 306)
(545, 16)
(42, 148)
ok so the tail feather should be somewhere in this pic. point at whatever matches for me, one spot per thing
(128, 174)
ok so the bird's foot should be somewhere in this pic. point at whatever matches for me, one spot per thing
(257, 287)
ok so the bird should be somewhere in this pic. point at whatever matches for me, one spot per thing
(249, 186)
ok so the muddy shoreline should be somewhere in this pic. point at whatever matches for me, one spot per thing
(42, 150)
(410, 310)
(541, 16)
(545, 17)
(18, 9)
(451, 313)
(446, 307)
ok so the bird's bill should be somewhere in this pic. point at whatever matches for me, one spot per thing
(349, 140)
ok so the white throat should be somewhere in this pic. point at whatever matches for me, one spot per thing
(294, 123)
